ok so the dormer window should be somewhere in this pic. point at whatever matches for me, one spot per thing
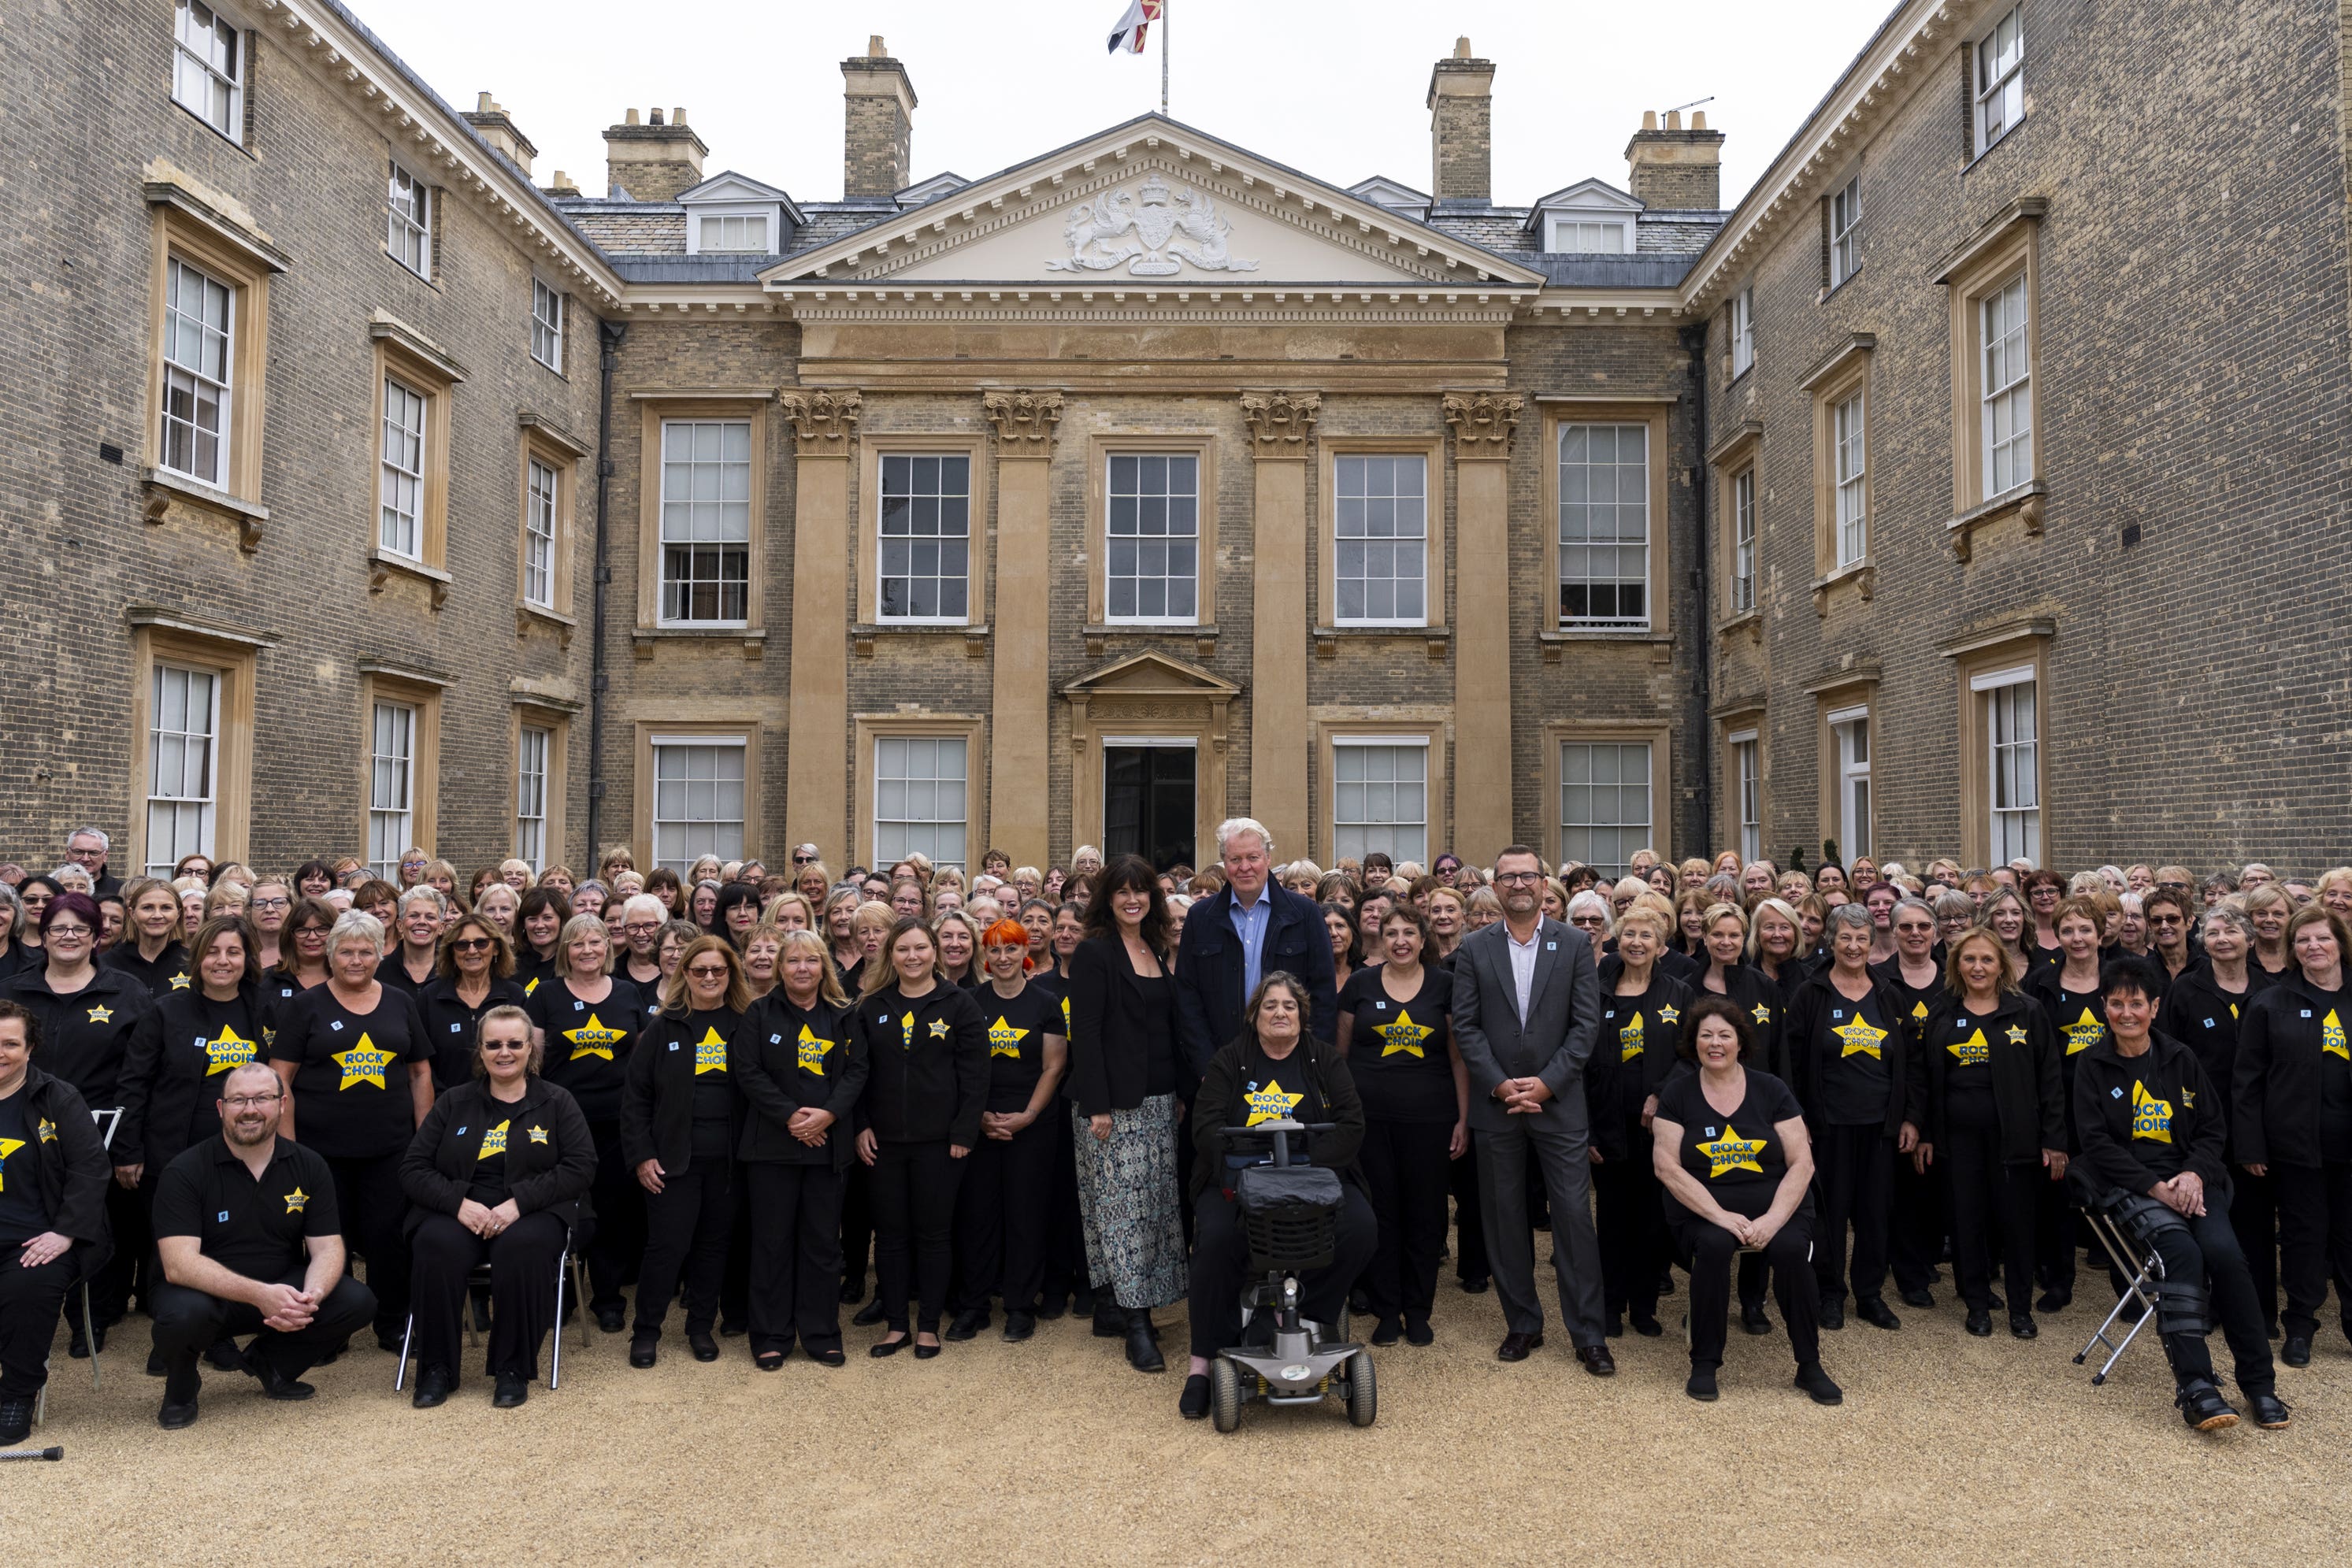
(745, 233)
(734, 214)
(1590, 219)
(1589, 237)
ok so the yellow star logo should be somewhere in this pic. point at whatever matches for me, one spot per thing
(101, 1015)
(709, 1052)
(1732, 1152)
(363, 1063)
(2331, 1037)
(813, 1051)
(1269, 1104)
(1629, 1039)
(226, 1050)
(1919, 1010)
(296, 1199)
(593, 1039)
(1404, 1036)
(939, 1028)
(1762, 1014)
(2234, 1010)
(2187, 1099)
(2083, 1032)
(2017, 1034)
(1861, 1038)
(7, 1146)
(1004, 1040)
(538, 1134)
(1066, 1017)
(46, 1130)
(180, 982)
(1670, 1014)
(2151, 1117)
(1973, 1052)
(494, 1140)
(907, 1032)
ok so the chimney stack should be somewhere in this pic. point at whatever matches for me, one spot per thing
(652, 162)
(489, 117)
(1674, 168)
(879, 124)
(1462, 128)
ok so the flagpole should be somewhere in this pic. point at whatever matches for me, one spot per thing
(1163, 56)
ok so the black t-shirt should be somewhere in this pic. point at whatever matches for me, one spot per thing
(230, 1037)
(1271, 1090)
(1160, 1032)
(249, 1227)
(1851, 1048)
(2080, 1017)
(351, 1098)
(1397, 1049)
(588, 1042)
(714, 1091)
(173, 970)
(488, 1185)
(1016, 1042)
(2335, 1011)
(1738, 1158)
(22, 1216)
(455, 1028)
(1967, 1052)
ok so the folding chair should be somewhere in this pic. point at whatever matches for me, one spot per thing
(567, 1268)
(2142, 1270)
(107, 1121)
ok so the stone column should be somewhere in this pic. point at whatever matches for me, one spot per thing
(1020, 626)
(1282, 427)
(817, 772)
(1482, 423)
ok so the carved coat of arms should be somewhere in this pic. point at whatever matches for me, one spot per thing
(1152, 230)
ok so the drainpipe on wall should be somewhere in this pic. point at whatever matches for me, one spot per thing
(1703, 724)
(610, 332)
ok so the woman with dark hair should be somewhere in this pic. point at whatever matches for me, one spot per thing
(538, 922)
(1127, 1074)
(215, 1023)
(1069, 930)
(2069, 992)
(1345, 943)
(312, 879)
(302, 951)
(736, 912)
(472, 973)
(34, 893)
(55, 1217)
(2042, 891)
(662, 883)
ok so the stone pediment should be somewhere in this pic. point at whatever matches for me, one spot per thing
(1150, 676)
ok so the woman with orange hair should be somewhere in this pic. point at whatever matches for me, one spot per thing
(1004, 1211)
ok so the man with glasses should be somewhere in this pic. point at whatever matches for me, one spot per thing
(87, 847)
(805, 855)
(251, 1245)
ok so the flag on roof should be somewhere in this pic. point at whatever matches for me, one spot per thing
(1129, 34)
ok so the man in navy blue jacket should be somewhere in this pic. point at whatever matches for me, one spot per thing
(1247, 932)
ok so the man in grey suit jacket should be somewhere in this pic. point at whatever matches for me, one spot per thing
(1527, 1008)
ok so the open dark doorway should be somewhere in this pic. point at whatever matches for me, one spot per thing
(1148, 810)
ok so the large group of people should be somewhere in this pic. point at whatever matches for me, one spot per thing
(285, 1110)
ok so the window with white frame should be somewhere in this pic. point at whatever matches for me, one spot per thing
(392, 786)
(706, 522)
(1743, 541)
(1604, 525)
(924, 559)
(182, 751)
(1847, 433)
(1590, 236)
(208, 68)
(1379, 799)
(919, 796)
(546, 325)
(1604, 802)
(1380, 556)
(698, 800)
(199, 324)
(2008, 415)
(531, 745)
(2013, 749)
(545, 485)
(1850, 730)
(745, 233)
(1845, 240)
(1152, 538)
(2001, 79)
(401, 503)
(1743, 331)
(408, 222)
(1747, 767)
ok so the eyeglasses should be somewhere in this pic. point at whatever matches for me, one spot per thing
(271, 903)
(1519, 878)
(249, 1102)
(804, 860)
(2164, 920)
(470, 945)
(62, 929)
(642, 927)
(709, 972)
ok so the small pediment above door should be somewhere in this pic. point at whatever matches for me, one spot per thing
(1150, 674)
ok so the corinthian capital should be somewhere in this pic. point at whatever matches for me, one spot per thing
(1282, 421)
(825, 422)
(1482, 421)
(1026, 422)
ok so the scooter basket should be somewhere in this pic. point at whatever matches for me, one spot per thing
(1290, 1214)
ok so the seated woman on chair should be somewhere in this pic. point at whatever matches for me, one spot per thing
(1274, 1069)
(496, 1173)
(53, 1177)
(1730, 1149)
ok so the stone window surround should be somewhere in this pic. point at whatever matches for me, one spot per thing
(688, 727)
(557, 722)
(402, 354)
(1101, 446)
(1652, 411)
(1987, 261)
(654, 409)
(1856, 688)
(972, 728)
(1840, 375)
(1431, 450)
(1744, 725)
(1739, 451)
(873, 445)
(232, 655)
(2022, 642)
(554, 447)
(1658, 737)
(384, 680)
(1382, 727)
(190, 229)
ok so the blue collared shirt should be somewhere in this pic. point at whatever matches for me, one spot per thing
(1249, 924)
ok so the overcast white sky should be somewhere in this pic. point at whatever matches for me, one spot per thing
(1335, 89)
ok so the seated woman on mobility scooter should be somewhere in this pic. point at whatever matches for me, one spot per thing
(1274, 1070)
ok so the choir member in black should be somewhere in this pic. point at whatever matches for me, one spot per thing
(1642, 1013)
(586, 1021)
(2068, 991)
(1274, 1069)
(1730, 939)
(495, 1175)
(2269, 907)
(843, 943)
(151, 951)
(1002, 1208)
(680, 1118)
(2044, 890)
(2204, 1008)
(1854, 1070)
(94, 1021)
(411, 964)
(539, 926)
(2171, 934)
(1731, 1150)
(218, 1023)
(1776, 934)
(2292, 1106)
(1395, 1033)
(926, 1084)
(474, 974)
(302, 952)
(53, 1186)
(358, 1070)
(800, 1069)
(1996, 1122)
(2152, 1140)
(642, 920)
(1913, 976)
(250, 1237)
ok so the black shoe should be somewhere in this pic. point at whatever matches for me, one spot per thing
(704, 1347)
(1614, 1328)
(870, 1313)
(1518, 1346)
(1110, 1319)
(1979, 1324)
(79, 1345)
(967, 1324)
(1083, 1300)
(512, 1390)
(389, 1343)
(1647, 1325)
(16, 1420)
(2270, 1413)
(1701, 1385)
(173, 1418)
(155, 1365)
(1873, 1311)
(769, 1360)
(1387, 1331)
(1416, 1331)
(1359, 1301)
(730, 1328)
(2202, 1407)
(432, 1385)
(1993, 1301)
(274, 1383)
(611, 1320)
(1817, 1385)
(1477, 1285)
(1142, 1349)
(1755, 1320)
(1832, 1313)
(2053, 1301)
(852, 1292)
(2021, 1326)
(2296, 1351)
(226, 1356)
(829, 1357)
(1193, 1402)
(887, 1346)
(925, 1352)
(1922, 1297)
(1056, 1303)
(1019, 1326)
(1597, 1360)
(643, 1352)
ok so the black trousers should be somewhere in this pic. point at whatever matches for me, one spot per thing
(1407, 1171)
(2253, 1215)
(1003, 1216)
(1553, 1152)
(857, 1224)
(1855, 1178)
(618, 1241)
(2314, 1227)
(30, 1300)
(187, 1322)
(1917, 1224)
(1629, 1212)
(2208, 1249)
(1221, 1267)
(127, 1223)
(1066, 1237)
(522, 1260)
(2056, 1238)
(1706, 1250)
(1469, 1229)
(1994, 1206)
(913, 1187)
(688, 1225)
(795, 1283)
(374, 1211)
